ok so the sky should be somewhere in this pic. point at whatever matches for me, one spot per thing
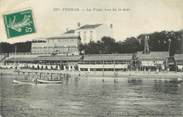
(130, 18)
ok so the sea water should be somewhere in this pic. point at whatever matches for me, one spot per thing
(92, 97)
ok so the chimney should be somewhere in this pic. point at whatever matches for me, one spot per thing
(78, 24)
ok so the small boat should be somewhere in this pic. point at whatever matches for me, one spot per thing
(48, 81)
(23, 82)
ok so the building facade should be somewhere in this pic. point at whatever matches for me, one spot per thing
(153, 61)
(38, 46)
(94, 32)
(105, 62)
(59, 62)
(67, 44)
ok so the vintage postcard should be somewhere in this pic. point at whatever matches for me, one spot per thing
(91, 58)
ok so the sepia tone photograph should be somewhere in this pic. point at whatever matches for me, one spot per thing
(91, 58)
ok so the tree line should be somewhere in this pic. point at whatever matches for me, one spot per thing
(18, 47)
(158, 41)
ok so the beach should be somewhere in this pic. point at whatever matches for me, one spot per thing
(99, 74)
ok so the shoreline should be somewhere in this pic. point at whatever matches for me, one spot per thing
(100, 74)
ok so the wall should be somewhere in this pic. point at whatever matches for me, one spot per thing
(103, 30)
(58, 45)
(97, 33)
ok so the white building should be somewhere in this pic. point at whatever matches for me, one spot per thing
(94, 32)
(68, 42)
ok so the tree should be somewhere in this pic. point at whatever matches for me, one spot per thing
(108, 45)
(131, 45)
(10, 48)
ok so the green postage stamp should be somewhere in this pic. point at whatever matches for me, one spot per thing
(19, 23)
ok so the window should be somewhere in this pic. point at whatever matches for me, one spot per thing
(79, 33)
(91, 35)
(84, 36)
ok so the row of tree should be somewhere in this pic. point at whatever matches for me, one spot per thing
(18, 47)
(108, 45)
(158, 41)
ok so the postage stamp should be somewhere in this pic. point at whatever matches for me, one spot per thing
(19, 23)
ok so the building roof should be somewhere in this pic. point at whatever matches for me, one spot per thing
(89, 26)
(69, 32)
(159, 55)
(20, 59)
(107, 57)
(65, 37)
(58, 58)
(44, 58)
